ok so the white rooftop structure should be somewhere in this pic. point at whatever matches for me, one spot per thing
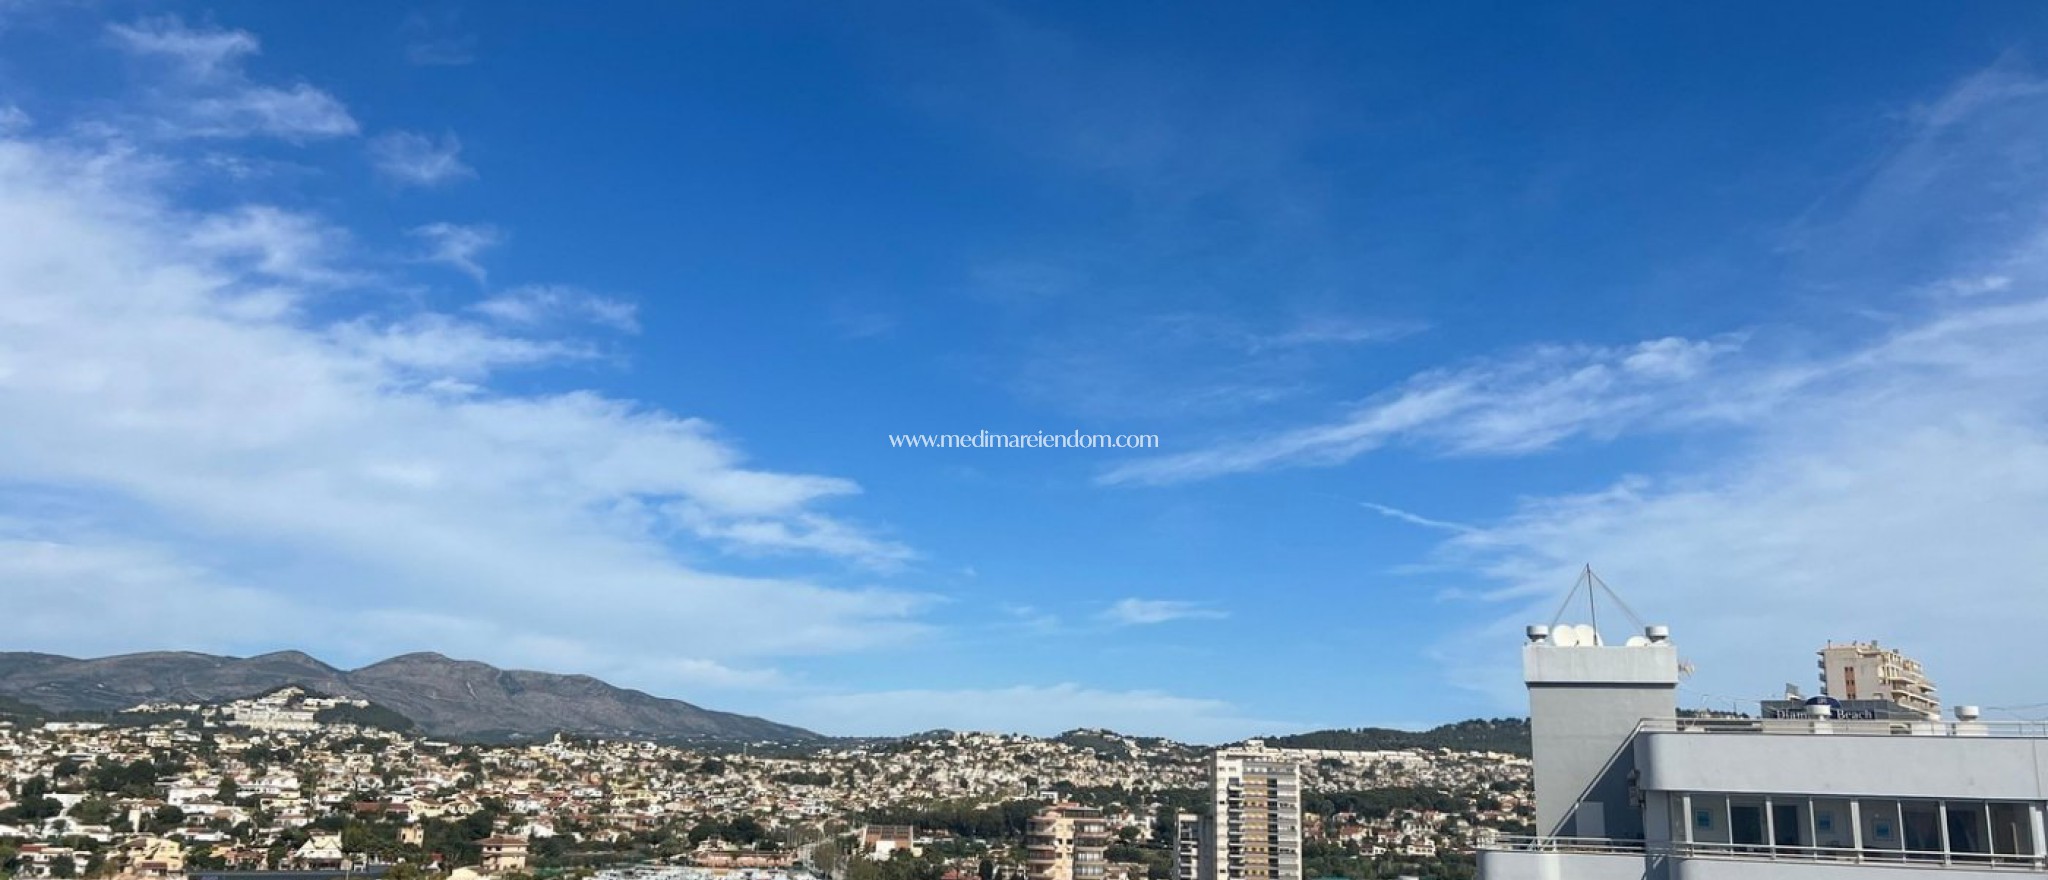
(1626, 789)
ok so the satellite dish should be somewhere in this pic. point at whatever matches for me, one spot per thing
(1565, 636)
(1588, 636)
(1637, 642)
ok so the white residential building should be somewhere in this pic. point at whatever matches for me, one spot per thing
(1866, 671)
(1626, 789)
(1255, 806)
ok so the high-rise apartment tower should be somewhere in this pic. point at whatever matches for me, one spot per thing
(1864, 671)
(1188, 833)
(1254, 830)
(1066, 842)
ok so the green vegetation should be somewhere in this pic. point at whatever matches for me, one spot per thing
(899, 866)
(32, 803)
(12, 709)
(744, 831)
(136, 778)
(1343, 860)
(1510, 735)
(1095, 742)
(1005, 822)
(1379, 803)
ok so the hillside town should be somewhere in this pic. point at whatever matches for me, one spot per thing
(294, 781)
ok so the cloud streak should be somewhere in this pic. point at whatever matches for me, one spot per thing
(207, 94)
(413, 159)
(543, 305)
(196, 427)
(1508, 406)
(1887, 487)
(458, 245)
(1147, 612)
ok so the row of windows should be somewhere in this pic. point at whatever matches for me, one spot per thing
(1877, 825)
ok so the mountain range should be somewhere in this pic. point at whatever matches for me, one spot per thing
(458, 699)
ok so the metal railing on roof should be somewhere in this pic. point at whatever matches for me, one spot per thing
(1764, 853)
(1847, 855)
(1538, 843)
(1846, 727)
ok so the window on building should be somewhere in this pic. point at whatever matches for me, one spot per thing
(1954, 830)
(2012, 830)
(1746, 824)
(1788, 826)
(1967, 829)
(1920, 825)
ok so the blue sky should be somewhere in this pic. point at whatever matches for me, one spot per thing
(569, 336)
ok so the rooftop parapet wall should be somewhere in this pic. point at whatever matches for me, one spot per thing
(1903, 766)
(1548, 664)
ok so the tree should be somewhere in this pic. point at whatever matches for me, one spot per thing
(136, 778)
(205, 859)
(479, 825)
(35, 803)
(1165, 825)
(826, 857)
(166, 818)
(93, 811)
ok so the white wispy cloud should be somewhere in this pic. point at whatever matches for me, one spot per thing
(1030, 619)
(856, 322)
(804, 533)
(1895, 501)
(438, 347)
(202, 54)
(1144, 612)
(1414, 519)
(1506, 406)
(459, 245)
(1889, 487)
(294, 112)
(435, 39)
(270, 241)
(208, 94)
(416, 159)
(1179, 364)
(207, 451)
(1331, 330)
(540, 305)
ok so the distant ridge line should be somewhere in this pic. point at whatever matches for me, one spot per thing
(446, 697)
